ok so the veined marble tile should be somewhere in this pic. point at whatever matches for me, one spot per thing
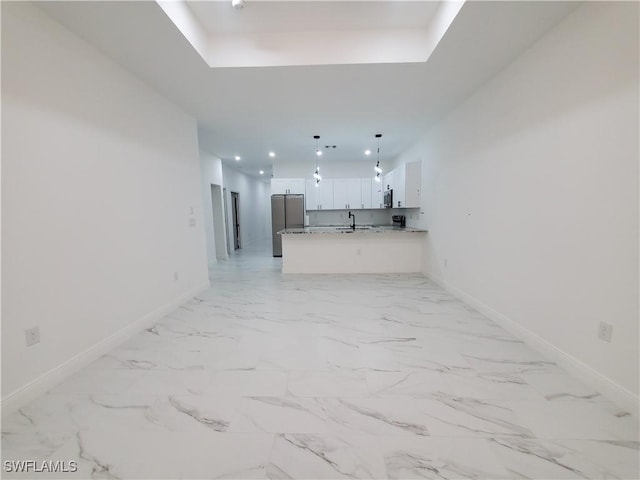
(495, 386)
(327, 383)
(173, 382)
(534, 458)
(573, 420)
(512, 363)
(280, 415)
(93, 380)
(452, 416)
(440, 457)
(317, 456)
(416, 384)
(166, 455)
(563, 388)
(248, 383)
(376, 416)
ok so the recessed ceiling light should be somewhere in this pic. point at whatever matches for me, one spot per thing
(237, 158)
(261, 172)
(272, 154)
(367, 152)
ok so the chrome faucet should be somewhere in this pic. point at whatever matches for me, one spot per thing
(353, 223)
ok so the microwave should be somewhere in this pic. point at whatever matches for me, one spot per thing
(388, 199)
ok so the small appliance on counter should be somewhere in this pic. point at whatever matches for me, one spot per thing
(401, 219)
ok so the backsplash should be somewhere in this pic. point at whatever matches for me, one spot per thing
(363, 217)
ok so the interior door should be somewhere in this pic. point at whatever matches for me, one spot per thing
(235, 207)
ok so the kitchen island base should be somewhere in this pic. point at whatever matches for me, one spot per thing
(379, 252)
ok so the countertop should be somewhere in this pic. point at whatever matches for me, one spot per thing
(360, 229)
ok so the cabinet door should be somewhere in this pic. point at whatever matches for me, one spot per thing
(325, 194)
(311, 195)
(340, 193)
(365, 193)
(413, 183)
(399, 199)
(389, 180)
(287, 185)
(377, 194)
(296, 185)
(278, 185)
(354, 193)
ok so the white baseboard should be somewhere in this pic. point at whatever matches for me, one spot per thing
(616, 393)
(45, 382)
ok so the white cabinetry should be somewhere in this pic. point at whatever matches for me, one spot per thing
(347, 193)
(319, 197)
(413, 184)
(287, 185)
(399, 180)
(405, 182)
(377, 194)
(366, 190)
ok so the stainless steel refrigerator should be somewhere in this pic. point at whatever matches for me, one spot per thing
(287, 211)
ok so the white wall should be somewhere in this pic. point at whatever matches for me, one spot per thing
(255, 206)
(360, 169)
(363, 216)
(100, 176)
(211, 170)
(530, 190)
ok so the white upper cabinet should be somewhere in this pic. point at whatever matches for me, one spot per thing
(405, 181)
(413, 185)
(287, 185)
(320, 196)
(366, 188)
(325, 194)
(377, 193)
(399, 180)
(347, 193)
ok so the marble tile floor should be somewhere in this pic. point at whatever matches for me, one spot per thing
(363, 376)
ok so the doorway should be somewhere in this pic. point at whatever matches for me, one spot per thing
(226, 221)
(217, 209)
(235, 213)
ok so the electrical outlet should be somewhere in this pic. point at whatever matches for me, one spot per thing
(358, 252)
(445, 262)
(605, 330)
(175, 276)
(32, 335)
(192, 222)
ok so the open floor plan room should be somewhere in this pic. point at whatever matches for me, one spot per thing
(320, 239)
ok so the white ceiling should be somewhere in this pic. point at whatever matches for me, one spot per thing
(250, 111)
(300, 16)
(294, 33)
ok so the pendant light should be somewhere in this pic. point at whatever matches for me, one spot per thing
(377, 167)
(316, 174)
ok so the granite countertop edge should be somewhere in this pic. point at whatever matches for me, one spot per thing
(342, 229)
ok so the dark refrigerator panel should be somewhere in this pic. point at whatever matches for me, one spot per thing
(287, 211)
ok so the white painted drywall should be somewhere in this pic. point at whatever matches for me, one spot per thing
(211, 171)
(255, 206)
(530, 192)
(101, 180)
(328, 169)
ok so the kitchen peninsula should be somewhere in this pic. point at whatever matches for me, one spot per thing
(342, 249)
